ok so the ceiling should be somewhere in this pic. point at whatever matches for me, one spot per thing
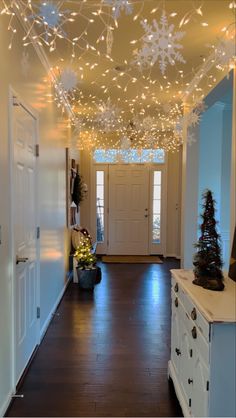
(114, 65)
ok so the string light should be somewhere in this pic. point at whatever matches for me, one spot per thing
(141, 95)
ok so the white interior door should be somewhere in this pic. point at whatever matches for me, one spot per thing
(128, 209)
(24, 235)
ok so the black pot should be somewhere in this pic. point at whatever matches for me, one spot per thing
(86, 278)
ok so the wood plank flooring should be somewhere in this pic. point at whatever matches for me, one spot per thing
(105, 353)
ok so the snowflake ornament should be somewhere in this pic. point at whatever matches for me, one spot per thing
(68, 79)
(200, 107)
(160, 44)
(50, 14)
(125, 143)
(225, 51)
(148, 123)
(191, 139)
(192, 118)
(107, 116)
(25, 65)
(118, 6)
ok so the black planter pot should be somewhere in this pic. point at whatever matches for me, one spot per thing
(86, 278)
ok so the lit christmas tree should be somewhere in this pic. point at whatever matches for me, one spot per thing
(207, 261)
(83, 255)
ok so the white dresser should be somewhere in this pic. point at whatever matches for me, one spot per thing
(203, 347)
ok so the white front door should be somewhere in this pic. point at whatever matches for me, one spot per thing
(128, 209)
(24, 134)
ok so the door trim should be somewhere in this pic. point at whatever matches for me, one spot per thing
(11, 196)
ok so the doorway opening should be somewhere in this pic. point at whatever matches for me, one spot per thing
(129, 204)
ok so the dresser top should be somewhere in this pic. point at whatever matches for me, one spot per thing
(214, 306)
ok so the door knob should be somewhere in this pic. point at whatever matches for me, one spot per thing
(21, 259)
(145, 216)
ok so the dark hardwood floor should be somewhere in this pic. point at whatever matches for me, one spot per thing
(106, 353)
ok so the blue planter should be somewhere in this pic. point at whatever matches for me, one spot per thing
(87, 278)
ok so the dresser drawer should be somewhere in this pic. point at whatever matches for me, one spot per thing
(197, 342)
(197, 318)
(177, 290)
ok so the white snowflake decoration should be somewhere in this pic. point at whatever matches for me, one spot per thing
(148, 123)
(68, 80)
(50, 14)
(125, 143)
(225, 51)
(200, 107)
(50, 18)
(191, 139)
(192, 118)
(25, 65)
(118, 6)
(107, 116)
(160, 44)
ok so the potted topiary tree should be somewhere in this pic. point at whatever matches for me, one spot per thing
(86, 264)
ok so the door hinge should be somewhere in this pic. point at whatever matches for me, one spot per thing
(189, 402)
(108, 242)
(207, 385)
(37, 150)
(108, 211)
(38, 232)
(38, 312)
(191, 352)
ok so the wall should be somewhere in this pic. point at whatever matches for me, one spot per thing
(208, 165)
(173, 200)
(32, 89)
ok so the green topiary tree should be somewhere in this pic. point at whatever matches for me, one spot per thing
(207, 261)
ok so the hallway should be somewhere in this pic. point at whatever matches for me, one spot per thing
(106, 354)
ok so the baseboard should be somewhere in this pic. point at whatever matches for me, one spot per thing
(173, 256)
(53, 310)
(5, 406)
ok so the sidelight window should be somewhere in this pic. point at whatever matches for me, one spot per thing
(156, 220)
(100, 205)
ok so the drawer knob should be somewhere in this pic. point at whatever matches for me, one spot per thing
(178, 352)
(194, 332)
(194, 314)
(176, 302)
(190, 381)
(176, 287)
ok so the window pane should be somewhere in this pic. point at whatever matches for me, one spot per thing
(100, 192)
(156, 206)
(100, 177)
(132, 155)
(156, 192)
(100, 205)
(157, 177)
(156, 217)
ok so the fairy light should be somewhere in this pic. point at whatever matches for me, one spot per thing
(48, 22)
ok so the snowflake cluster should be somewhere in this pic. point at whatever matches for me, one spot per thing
(160, 44)
(118, 6)
(68, 80)
(107, 116)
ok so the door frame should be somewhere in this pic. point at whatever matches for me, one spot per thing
(103, 248)
(15, 96)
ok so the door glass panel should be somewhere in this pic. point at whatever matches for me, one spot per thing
(156, 217)
(100, 205)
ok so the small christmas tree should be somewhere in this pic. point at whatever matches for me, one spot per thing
(83, 255)
(207, 261)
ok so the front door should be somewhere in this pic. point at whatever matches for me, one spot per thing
(24, 234)
(128, 209)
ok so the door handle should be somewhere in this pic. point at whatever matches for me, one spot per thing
(21, 259)
(145, 216)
